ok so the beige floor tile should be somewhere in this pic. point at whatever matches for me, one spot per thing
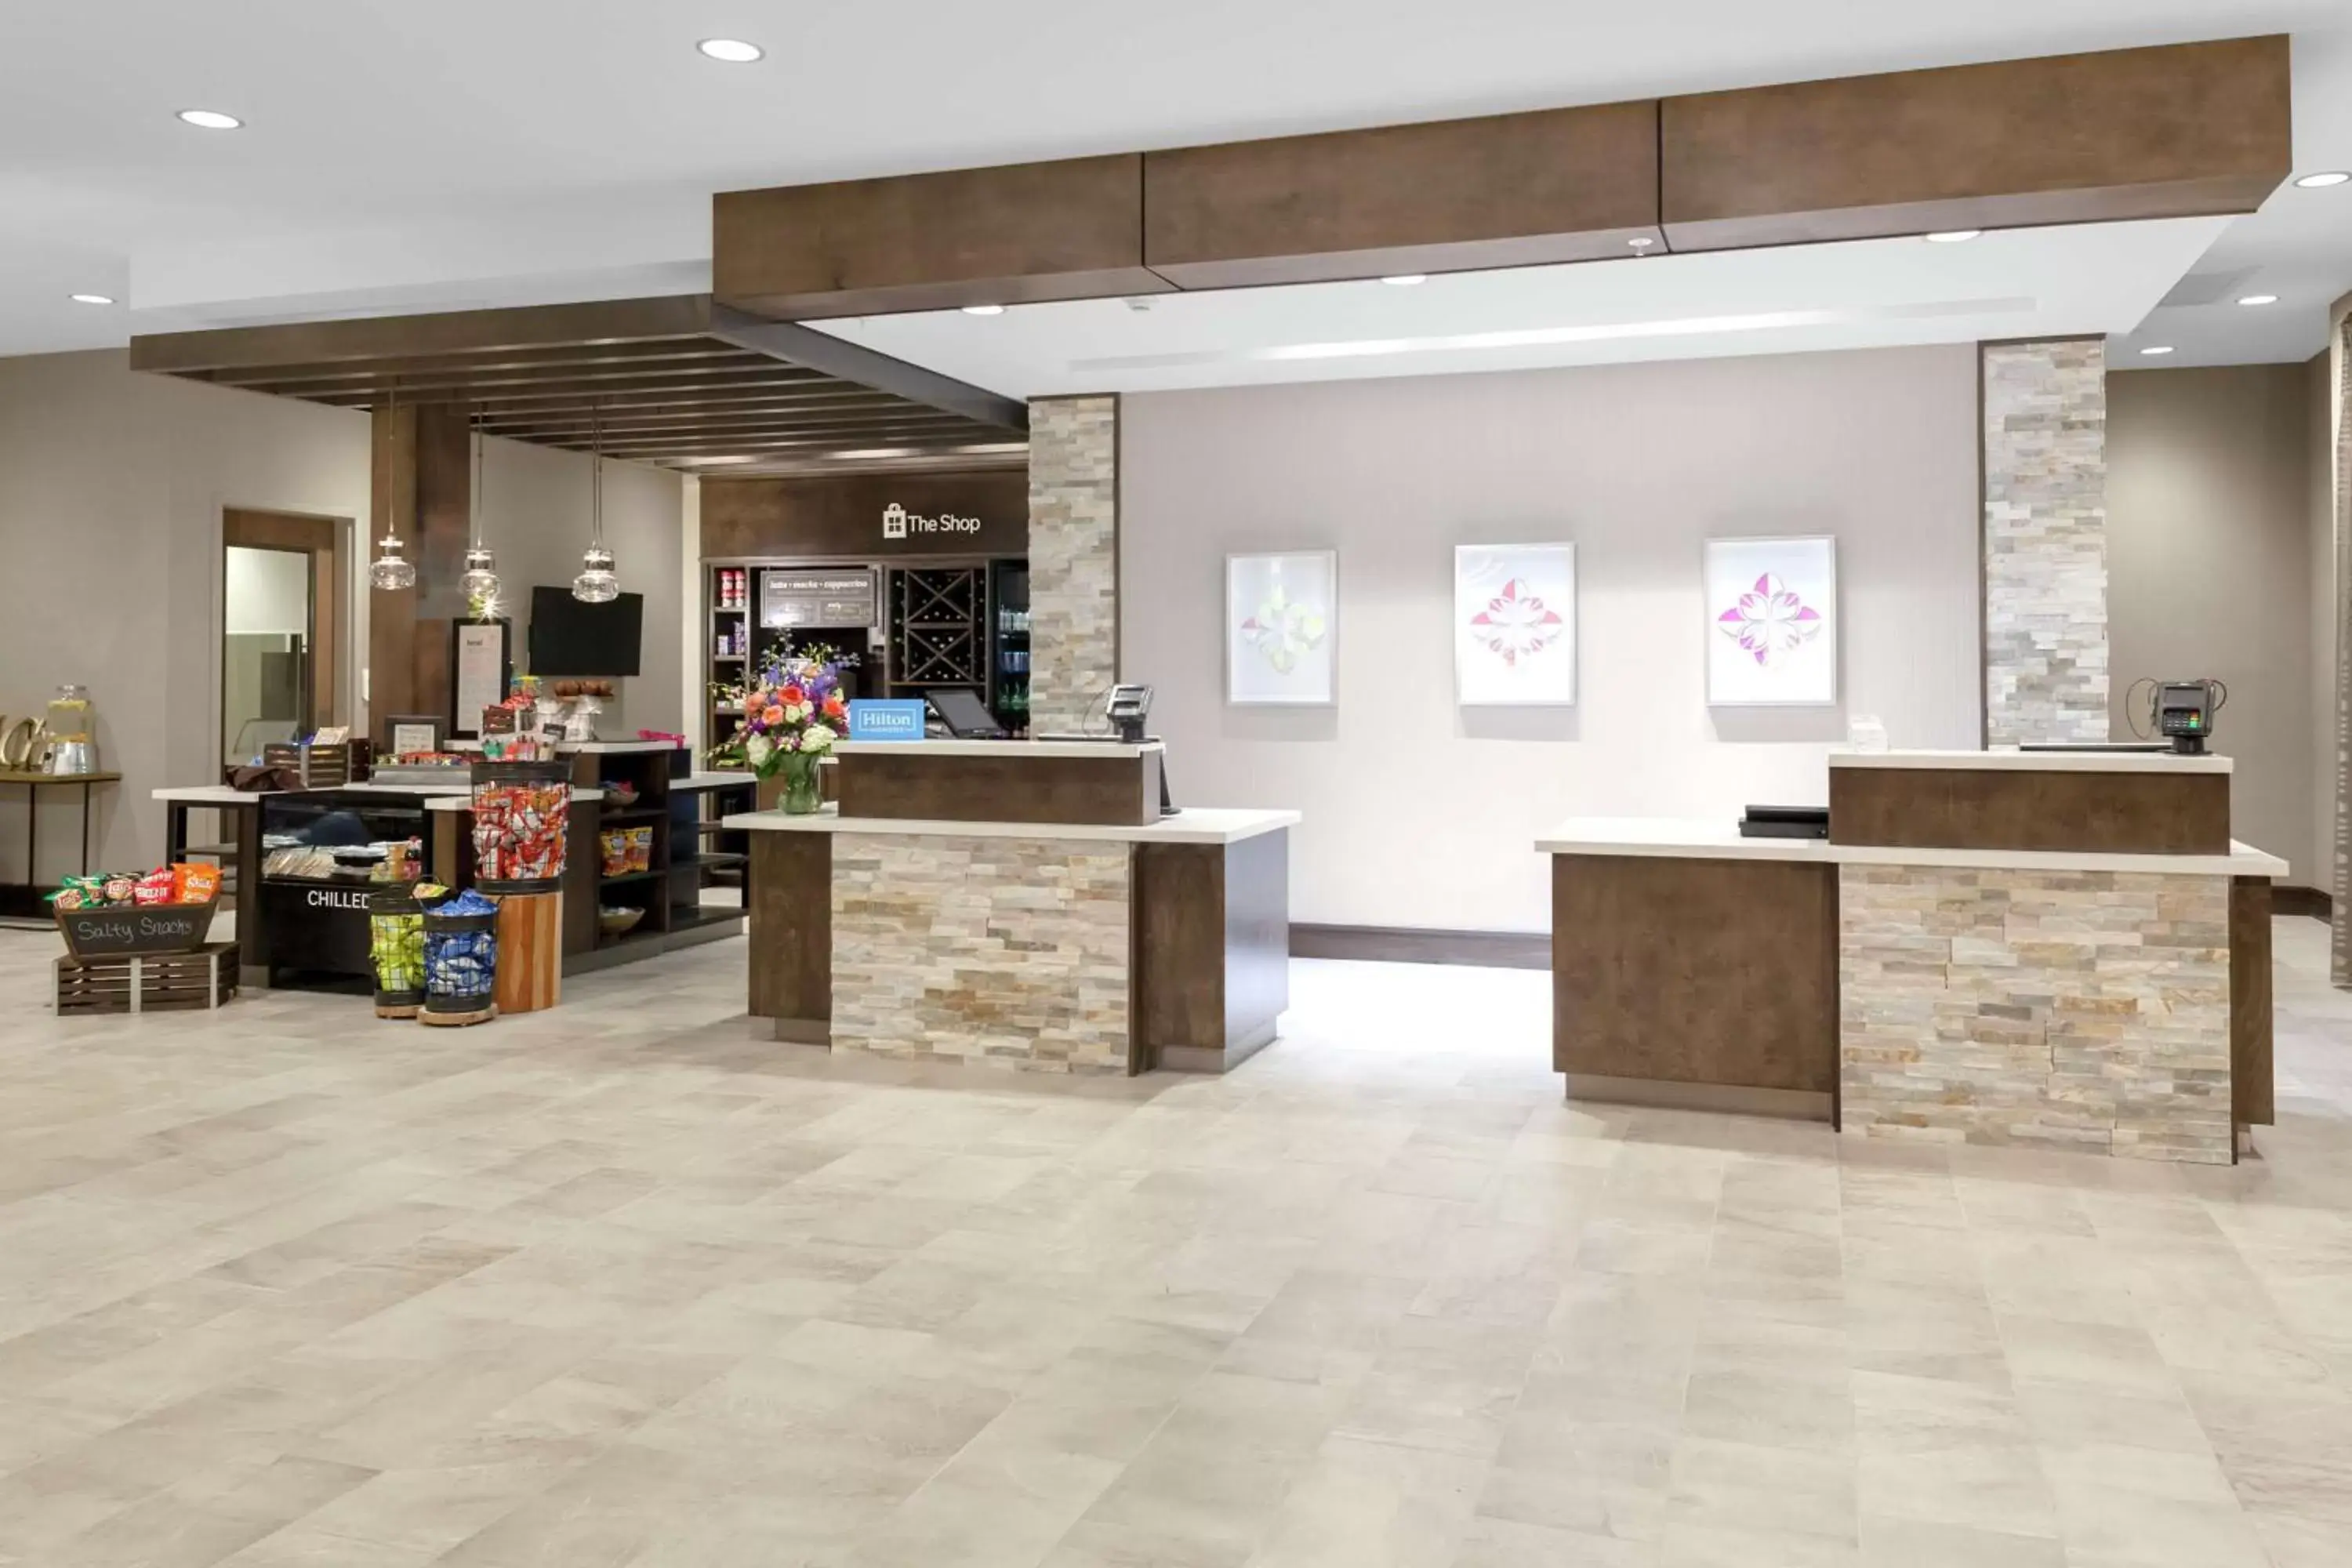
(621, 1286)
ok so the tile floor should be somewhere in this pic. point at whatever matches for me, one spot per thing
(618, 1285)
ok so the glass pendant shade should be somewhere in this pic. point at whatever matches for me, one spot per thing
(391, 569)
(480, 582)
(597, 582)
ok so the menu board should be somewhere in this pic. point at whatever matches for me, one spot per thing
(846, 598)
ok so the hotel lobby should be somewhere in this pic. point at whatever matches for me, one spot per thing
(1179, 791)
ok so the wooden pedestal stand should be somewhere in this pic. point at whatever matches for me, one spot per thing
(531, 952)
(456, 1020)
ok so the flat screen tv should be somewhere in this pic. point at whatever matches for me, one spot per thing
(569, 637)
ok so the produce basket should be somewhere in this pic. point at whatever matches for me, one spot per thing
(396, 949)
(461, 961)
(136, 931)
(520, 810)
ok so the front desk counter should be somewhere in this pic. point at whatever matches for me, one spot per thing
(1021, 904)
(2056, 949)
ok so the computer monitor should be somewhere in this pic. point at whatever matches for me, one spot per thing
(965, 715)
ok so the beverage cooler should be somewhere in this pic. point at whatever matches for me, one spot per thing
(323, 853)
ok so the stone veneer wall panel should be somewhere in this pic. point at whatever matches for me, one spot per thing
(2081, 1010)
(2045, 557)
(1072, 558)
(1012, 952)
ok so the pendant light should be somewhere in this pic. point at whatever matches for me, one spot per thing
(390, 569)
(597, 582)
(481, 579)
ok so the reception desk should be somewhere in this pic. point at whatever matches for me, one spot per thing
(1021, 904)
(2054, 949)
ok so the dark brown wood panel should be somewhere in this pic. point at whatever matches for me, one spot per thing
(583, 858)
(1069, 229)
(790, 898)
(842, 515)
(1506, 190)
(1402, 944)
(2170, 131)
(1707, 972)
(1180, 949)
(1985, 808)
(935, 787)
(405, 338)
(2253, 1080)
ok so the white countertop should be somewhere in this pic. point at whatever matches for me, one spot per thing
(2038, 761)
(1001, 748)
(209, 794)
(1712, 838)
(1195, 826)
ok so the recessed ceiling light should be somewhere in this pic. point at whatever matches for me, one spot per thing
(1641, 242)
(1953, 236)
(983, 309)
(734, 51)
(210, 120)
(862, 452)
(2321, 181)
(1405, 279)
(2258, 300)
(2157, 349)
(92, 298)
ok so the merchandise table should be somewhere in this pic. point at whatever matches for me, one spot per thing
(23, 901)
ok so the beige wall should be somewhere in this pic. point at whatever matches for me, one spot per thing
(2209, 556)
(1420, 813)
(111, 488)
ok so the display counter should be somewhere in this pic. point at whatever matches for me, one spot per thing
(2054, 949)
(1034, 917)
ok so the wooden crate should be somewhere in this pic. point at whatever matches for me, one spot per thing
(204, 978)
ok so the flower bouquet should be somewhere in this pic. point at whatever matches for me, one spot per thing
(792, 713)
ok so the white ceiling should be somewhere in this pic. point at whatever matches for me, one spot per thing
(1864, 294)
(445, 153)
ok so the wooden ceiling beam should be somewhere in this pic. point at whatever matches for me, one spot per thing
(442, 332)
(645, 354)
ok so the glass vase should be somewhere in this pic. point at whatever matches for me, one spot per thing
(802, 792)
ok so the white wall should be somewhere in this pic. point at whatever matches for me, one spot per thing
(2209, 555)
(1421, 815)
(111, 489)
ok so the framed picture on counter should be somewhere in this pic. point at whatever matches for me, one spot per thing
(1515, 625)
(1282, 629)
(482, 666)
(1772, 622)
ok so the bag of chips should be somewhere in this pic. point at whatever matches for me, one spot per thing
(157, 887)
(198, 883)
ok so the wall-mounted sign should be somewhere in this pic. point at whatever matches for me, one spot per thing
(898, 523)
(852, 516)
(840, 598)
(886, 719)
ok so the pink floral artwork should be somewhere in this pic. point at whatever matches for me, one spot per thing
(1516, 623)
(1769, 620)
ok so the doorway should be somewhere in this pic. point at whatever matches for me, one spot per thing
(279, 640)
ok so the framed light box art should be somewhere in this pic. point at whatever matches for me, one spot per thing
(1772, 622)
(1515, 625)
(1282, 628)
